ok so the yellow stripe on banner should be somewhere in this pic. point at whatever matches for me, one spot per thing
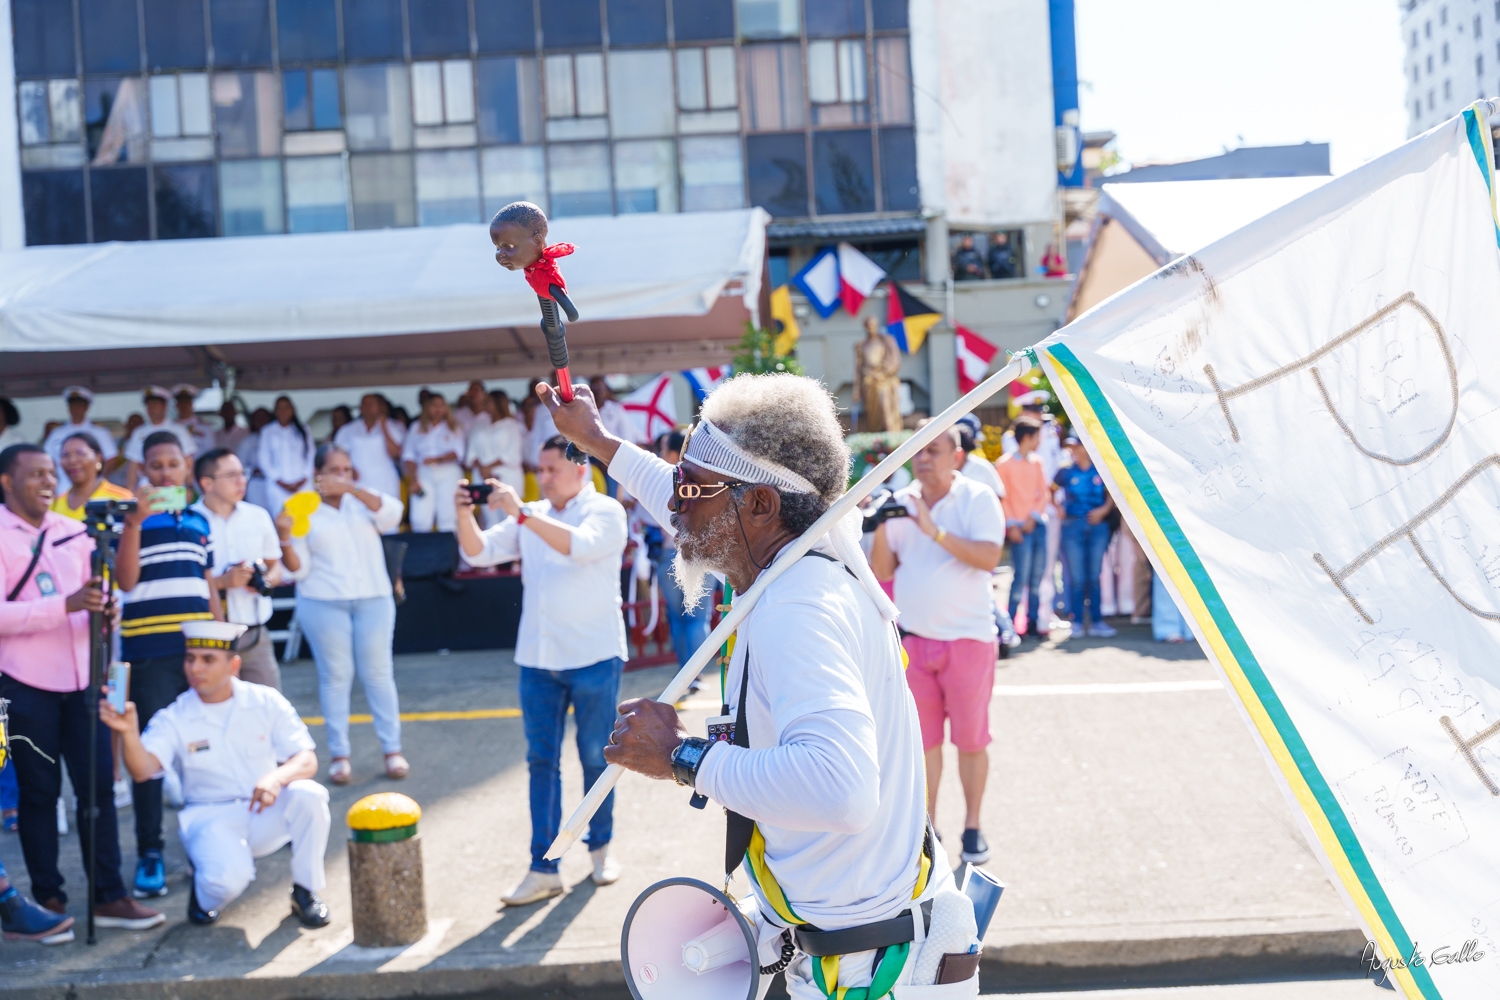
(476, 713)
(1210, 630)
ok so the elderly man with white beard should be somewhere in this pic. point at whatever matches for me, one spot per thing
(822, 777)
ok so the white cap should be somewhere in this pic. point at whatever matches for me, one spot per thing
(211, 634)
(183, 387)
(156, 392)
(79, 392)
(1035, 397)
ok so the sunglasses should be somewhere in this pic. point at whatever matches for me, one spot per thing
(693, 491)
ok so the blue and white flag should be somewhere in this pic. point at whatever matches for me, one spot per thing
(819, 281)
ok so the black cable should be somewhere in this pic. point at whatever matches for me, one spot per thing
(741, 523)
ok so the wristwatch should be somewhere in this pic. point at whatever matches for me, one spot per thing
(687, 758)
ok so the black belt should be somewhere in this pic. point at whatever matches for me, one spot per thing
(867, 937)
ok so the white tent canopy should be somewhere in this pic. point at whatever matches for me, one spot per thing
(392, 306)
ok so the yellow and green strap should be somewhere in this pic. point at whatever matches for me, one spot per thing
(826, 975)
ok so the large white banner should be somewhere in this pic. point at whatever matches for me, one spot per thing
(1302, 424)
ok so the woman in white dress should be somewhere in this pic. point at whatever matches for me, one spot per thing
(432, 458)
(495, 450)
(284, 455)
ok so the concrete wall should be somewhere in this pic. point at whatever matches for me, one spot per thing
(12, 220)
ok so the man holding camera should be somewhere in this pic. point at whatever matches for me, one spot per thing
(247, 547)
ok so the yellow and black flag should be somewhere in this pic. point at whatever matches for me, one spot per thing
(908, 318)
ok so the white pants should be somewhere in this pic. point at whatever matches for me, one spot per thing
(275, 497)
(223, 839)
(1048, 594)
(433, 510)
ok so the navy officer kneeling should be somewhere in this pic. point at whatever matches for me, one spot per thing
(246, 762)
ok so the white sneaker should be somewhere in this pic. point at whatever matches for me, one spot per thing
(606, 868)
(62, 818)
(1099, 630)
(123, 794)
(534, 888)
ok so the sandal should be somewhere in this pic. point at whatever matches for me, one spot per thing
(396, 766)
(10, 819)
(340, 772)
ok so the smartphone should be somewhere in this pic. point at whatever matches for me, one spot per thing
(119, 685)
(479, 493)
(170, 498)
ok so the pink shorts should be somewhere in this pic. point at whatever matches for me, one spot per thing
(953, 679)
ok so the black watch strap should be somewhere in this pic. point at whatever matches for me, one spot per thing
(686, 758)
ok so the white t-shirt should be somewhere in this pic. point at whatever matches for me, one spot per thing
(543, 429)
(137, 440)
(500, 441)
(342, 556)
(55, 440)
(833, 775)
(939, 596)
(616, 420)
(439, 439)
(367, 452)
(982, 470)
(247, 535)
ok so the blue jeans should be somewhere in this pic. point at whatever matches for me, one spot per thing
(594, 692)
(349, 637)
(1083, 546)
(1166, 619)
(10, 789)
(689, 628)
(1027, 558)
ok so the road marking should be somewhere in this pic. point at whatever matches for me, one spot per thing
(475, 713)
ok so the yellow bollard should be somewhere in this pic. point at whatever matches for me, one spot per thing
(387, 896)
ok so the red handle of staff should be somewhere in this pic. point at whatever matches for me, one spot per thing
(564, 385)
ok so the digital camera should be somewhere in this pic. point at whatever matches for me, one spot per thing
(885, 507)
(479, 493)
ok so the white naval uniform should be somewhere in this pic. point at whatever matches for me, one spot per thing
(106, 441)
(432, 510)
(219, 752)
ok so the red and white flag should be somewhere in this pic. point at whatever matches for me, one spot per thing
(858, 276)
(974, 357)
(652, 408)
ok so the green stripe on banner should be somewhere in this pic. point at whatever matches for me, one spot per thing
(1476, 143)
(384, 836)
(1247, 662)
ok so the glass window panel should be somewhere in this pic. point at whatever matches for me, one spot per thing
(193, 104)
(458, 90)
(509, 100)
(852, 80)
(701, 20)
(579, 175)
(892, 80)
(427, 93)
(307, 30)
(831, 18)
(560, 101)
(382, 189)
(898, 170)
(645, 176)
(111, 36)
(692, 82)
(35, 127)
(777, 171)
(166, 119)
(843, 172)
(115, 120)
(771, 78)
(378, 102)
(640, 91)
(120, 210)
(186, 201)
(251, 193)
(570, 24)
(296, 101)
(722, 86)
(889, 15)
(53, 157)
(712, 177)
(63, 105)
(52, 201)
(182, 150)
(326, 112)
(822, 73)
(43, 43)
(637, 22)
(513, 173)
(770, 18)
(174, 35)
(505, 25)
(588, 81)
(246, 111)
(570, 129)
(242, 32)
(439, 27)
(447, 187)
(372, 29)
(315, 195)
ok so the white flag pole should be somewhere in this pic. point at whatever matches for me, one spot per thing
(1020, 363)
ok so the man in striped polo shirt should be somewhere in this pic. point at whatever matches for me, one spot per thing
(164, 566)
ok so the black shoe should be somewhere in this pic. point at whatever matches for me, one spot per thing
(975, 850)
(308, 907)
(196, 913)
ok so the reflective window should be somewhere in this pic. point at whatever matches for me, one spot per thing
(382, 188)
(372, 29)
(439, 27)
(242, 32)
(770, 18)
(49, 112)
(645, 176)
(442, 92)
(251, 193)
(637, 22)
(180, 119)
(831, 18)
(53, 203)
(712, 177)
(892, 80)
(579, 175)
(307, 30)
(640, 91)
(771, 78)
(571, 24)
(889, 15)
(111, 36)
(898, 170)
(509, 100)
(378, 104)
(843, 172)
(702, 20)
(186, 201)
(114, 115)
(706, 78)
(575, 89)
(247, 114)
(777, 172)
(43, 41)
(505, 25)
(311, 99)
(447, 187)
(120, 210)
(513, 173)
(836, 82)
(174, 35)
(315, 194)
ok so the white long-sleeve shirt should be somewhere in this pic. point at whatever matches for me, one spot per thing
(500, 441)
(833, 775)
(342, 556)
(570, 604)
(369, 455)
(543, 429)
(435, 441)
(284, 456)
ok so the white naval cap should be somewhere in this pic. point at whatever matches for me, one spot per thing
(211, 634)
(77, 392)
(182, 388)
(156, 392)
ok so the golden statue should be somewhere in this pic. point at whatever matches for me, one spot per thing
(877, 380)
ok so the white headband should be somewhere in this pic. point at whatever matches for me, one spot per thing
(712, 449)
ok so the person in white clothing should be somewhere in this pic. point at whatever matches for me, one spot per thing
(822, 774)
(540, 427)
(374, 445)
(495, 449)
(612, 412)
(79, 399)
(284, 455)
(432, 457)
(473, 408)
(186, 396)
(232, 433)
(345, 607)
(571, 645)
(248, 452)
(246, 762)
(155, 399)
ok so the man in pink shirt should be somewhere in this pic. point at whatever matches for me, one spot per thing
(44, 673)
(1025, 502)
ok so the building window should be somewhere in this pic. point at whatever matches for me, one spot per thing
(771, 81)
(837, 82)
(509, 100)
(505, 25)
(712, 177)
(831, 19)
(311, 99)
(1414, 74)
(707, 90)
(120, 210)
(1427, 29)
(53, 205)
(1414, 33)
(776, 169)
(1416, 111)
(187, 201)
(51, 124)
(843, 172)
(246, 116)
(181, 123)
(174, 35)
(372, 29)
(111, 36)
(1478, 27)
(892, 81)
(378, 107)
(442, 93)
(889, 15)
(1442, 15)
(769, 18)
(1445, 53)
(43, 45)
(439, 27)
(1429, 64)
(575, 96)
(640, 93)
(703, 20)
(307, 30)
(637, 22)
(447, 187)
(114, 120)
(316, 199)
(1430, 102)
(571, 24)
(578, 173)
(898, 170)
(382, 190)
(242, 32)
(1479, 65)
(1447, 90)
(251, 198)
(645, 176)
(513, 173)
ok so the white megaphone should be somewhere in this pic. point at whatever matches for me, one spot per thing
(685, 940)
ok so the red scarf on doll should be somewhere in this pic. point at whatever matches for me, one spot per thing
(544, 272)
